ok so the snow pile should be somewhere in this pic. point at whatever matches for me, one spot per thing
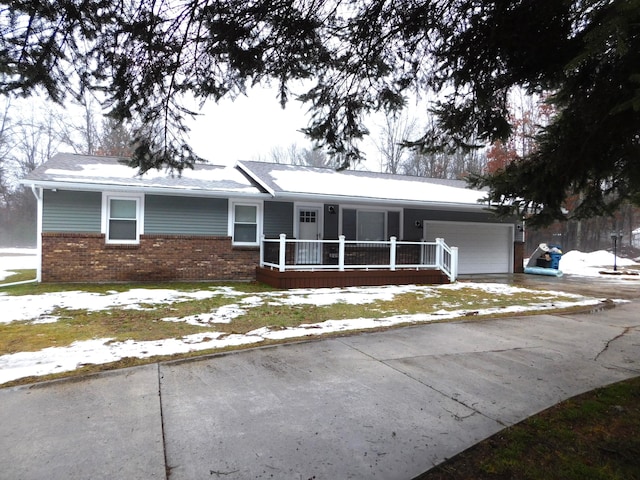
(591, 264)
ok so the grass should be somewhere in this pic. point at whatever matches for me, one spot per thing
(121, 324)
(19, 276)
(595, 436)
(139, 325)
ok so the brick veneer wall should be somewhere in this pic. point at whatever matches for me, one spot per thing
(79, 257)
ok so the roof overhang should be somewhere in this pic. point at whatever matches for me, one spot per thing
(346, 199)
(168, 191)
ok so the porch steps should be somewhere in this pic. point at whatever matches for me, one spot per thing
(348, 278)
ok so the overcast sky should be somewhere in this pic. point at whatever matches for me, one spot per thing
(250, 127)
(247, 128)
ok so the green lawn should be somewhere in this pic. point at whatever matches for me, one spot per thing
(595, 436)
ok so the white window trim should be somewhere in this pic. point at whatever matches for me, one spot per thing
(232, 219)
(106, 198)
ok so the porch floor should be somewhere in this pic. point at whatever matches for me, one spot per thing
(348, 278)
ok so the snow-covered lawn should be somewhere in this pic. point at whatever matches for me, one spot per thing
(12, 259)
(41, 309)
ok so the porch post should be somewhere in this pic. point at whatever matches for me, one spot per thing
(341, 253)
(282, 253)
(454, 263)
(439, 252)
(262, 237)
(392, 253)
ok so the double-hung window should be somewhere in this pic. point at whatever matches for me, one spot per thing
(245, 224)
(123, 219)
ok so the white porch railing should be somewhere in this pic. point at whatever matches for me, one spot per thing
(289, 254)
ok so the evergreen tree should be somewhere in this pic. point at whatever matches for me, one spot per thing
(360, 56)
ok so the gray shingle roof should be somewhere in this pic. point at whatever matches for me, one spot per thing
(252, 179)
(104, 172)
(293, 180)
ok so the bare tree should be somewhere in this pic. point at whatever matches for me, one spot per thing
(115, 139)
(394, 134)
(295, 155)
(5, 147)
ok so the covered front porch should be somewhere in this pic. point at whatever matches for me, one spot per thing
(292, 263)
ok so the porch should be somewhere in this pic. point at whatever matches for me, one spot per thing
(292, 263)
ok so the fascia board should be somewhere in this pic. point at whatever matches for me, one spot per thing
(247, 171)
(377, 201)
(100, 187)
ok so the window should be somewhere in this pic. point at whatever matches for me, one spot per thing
(245, 224)
(371, 225)
(307, 216)
(123, 219)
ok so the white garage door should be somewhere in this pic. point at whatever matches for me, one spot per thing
(482, 247)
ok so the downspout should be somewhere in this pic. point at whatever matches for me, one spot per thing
(37, 192)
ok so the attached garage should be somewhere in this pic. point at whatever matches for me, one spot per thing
(482, 247)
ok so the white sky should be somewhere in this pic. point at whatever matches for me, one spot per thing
(246, 128)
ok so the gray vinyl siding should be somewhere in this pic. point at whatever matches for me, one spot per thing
(349, 223)
(71, 211)
(331, 222)
(393, 224)
(278, 218)
(185, 215)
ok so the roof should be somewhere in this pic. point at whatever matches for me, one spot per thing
(255, 179)
(100, 172)
(294, 181)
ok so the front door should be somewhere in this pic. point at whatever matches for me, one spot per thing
(309, 253)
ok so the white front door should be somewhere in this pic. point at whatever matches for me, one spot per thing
(309, 229)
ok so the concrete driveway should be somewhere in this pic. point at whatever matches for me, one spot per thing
(384, 405)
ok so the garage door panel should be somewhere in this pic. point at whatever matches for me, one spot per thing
(482, 248)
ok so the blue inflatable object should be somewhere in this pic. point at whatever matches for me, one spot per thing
(552, 272)
(538, 265)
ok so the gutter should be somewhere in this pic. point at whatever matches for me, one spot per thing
(35, 192)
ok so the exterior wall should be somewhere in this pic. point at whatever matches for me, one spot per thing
(278, 218)
(77, 257)
(331, 224)
(349, 223)
(393, 224)
(70, 211)
(185, 215)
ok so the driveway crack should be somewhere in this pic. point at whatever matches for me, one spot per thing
(473, 410)
(167, 468)
(606, 347)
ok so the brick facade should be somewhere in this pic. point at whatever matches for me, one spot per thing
(85, 257)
